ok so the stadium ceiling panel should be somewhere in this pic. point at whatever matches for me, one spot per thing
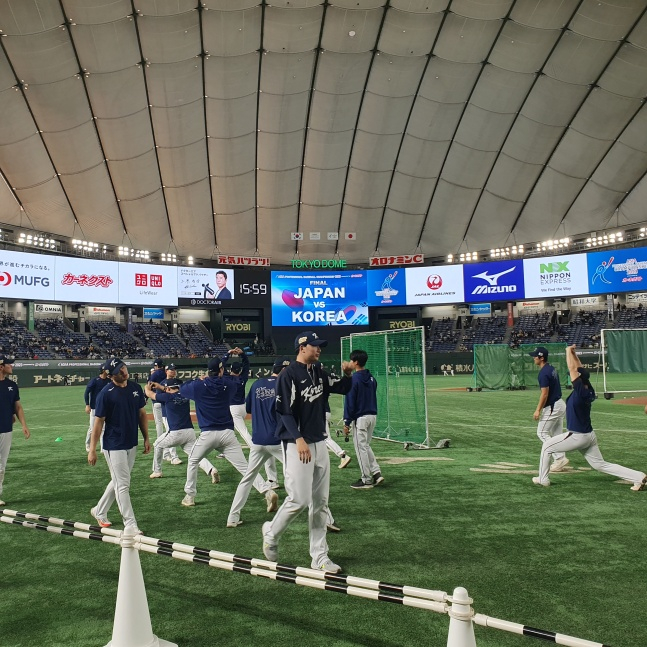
(200, 127)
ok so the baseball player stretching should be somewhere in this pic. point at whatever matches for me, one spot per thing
(121, 407)
(158, 375)
(180, 427)
(580, 434)
(301, 391)
(9, 405)
(213, 396)
(360, 414)
(551, 409)
(92, 390)
(239, 412)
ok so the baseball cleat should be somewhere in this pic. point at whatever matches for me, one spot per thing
(2, 503)
(188, 501)
(326, 564)
(176, 461)
(636, 487)
(270, 548)
(272, 499)
(155, 475)
(378, 479)
(215, 476)
(559, 464)
(360, 485)
(537, 481)
(104, 522)
(345, 459)
(274, 484)
(234, 524)
(331, 527)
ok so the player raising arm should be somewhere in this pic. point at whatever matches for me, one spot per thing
(580, 434)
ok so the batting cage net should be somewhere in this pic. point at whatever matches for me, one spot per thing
(624, 360)
(498, 366)
(397, 360)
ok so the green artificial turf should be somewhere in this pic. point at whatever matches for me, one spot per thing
(569, 558)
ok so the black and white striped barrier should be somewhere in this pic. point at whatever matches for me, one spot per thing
(132, 605)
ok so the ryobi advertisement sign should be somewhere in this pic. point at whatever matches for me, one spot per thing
(497, 281)
(319, 299)
(555, 276)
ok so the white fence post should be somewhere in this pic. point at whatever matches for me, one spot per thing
(461, 629)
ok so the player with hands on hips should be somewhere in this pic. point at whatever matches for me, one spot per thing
(551, 409)
(10, 408)
(580, 434)
(301, 392)
(360, 414)
(121, 406)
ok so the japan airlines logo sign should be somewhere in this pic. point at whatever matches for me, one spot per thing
(498, 281)
(430, 285)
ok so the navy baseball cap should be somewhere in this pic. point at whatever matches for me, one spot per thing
(540, 351)
(584, 373)
(6, 360)
(236, 367)
(114, 365)
(214, 365)
(159, 363)
(280, 364)
(309, 338)
(170, 367)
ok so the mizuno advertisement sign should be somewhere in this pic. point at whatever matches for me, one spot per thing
(498, 281)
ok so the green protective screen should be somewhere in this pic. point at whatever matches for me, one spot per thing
(497, 366)
(625, 368)
(396, 359)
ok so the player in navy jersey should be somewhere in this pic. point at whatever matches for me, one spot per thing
(180, 431)
(261, 404)
(92, 390)
(213, 395)
(9, 406)
(121, 406)
(301, 392)
(360, 415)
(158, 375)
(580, 434)
(551, 409)
(238, 413)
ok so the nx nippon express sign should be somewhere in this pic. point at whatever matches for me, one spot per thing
(555, 276)
(431, 285)
(26, 276)
(498, 281)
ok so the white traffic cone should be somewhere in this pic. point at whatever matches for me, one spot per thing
(461, 629)
(132, 626)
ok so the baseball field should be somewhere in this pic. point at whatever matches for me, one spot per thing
(569, 558)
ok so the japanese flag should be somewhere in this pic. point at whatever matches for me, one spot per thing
(350, 235)
(297, 235)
